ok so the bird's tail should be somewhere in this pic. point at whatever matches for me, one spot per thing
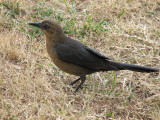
(138, 68)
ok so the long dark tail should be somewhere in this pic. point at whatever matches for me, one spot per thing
(138, 68)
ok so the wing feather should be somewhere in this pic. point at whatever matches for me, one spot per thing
(76, 53)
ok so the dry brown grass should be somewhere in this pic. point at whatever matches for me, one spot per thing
(31, 87)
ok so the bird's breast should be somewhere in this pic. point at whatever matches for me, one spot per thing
(67, 67)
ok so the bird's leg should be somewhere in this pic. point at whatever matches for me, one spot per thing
(74, 81)
(83, 78)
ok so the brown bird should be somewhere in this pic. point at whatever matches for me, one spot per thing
(75, 58)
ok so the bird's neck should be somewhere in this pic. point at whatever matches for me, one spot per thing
(52, 41)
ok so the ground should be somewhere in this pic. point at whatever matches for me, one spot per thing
(32, 87)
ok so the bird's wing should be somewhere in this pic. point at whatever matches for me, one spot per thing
(78, 54)
(97, 53)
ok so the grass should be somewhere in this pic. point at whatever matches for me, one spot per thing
(31, 86)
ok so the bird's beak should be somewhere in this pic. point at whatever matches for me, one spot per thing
(36, 24)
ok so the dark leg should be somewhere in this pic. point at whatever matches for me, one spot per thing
(83, 78)
(74, 81)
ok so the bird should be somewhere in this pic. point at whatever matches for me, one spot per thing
(74, 58)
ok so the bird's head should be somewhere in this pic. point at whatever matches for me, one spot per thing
(49, 28)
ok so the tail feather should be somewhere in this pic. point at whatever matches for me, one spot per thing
(138, 68)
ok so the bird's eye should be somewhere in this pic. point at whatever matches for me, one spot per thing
(46, 27)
